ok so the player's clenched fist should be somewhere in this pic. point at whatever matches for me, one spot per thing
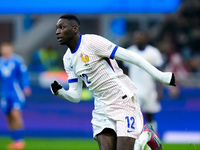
(55, 86)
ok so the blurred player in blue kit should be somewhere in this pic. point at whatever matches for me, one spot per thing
(116, 119)
(14, 87)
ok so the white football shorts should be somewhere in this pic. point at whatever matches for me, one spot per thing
(126, 121)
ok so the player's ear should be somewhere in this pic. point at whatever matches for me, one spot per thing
(76, 29)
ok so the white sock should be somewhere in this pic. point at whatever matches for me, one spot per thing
(142, 140)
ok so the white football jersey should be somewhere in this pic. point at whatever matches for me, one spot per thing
(92, 62)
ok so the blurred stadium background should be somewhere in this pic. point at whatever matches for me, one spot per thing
(174, 27)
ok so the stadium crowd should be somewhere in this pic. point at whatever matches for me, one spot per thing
(180, 34)
(177, 36)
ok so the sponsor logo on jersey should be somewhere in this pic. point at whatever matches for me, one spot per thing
(129, 131)
(86, 65)
(84, 57)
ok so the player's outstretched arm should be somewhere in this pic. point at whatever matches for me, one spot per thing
(122, 54)
(74, 94)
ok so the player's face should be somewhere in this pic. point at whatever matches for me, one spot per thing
(65, 31)
(140, 39)
(6, 50)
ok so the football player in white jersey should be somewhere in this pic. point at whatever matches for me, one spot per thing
(117, 119)
(150, 93)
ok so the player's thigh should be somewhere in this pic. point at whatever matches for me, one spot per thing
(125, 143)
(107, 139)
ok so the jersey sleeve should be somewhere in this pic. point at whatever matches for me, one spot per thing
(103, 47)
(72, 77)
(131, 57)
(126, 64)
(23, 73)
(74, 93)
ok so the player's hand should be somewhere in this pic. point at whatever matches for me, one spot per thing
(172, 82)
(55, 86)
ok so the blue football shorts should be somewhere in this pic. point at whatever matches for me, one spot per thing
(11, 101)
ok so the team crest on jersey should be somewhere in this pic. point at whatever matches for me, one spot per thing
(84, 57)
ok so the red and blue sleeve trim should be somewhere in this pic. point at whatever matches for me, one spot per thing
(108, 61)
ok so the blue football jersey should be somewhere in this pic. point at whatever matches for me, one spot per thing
(13, 79)
(13, 74)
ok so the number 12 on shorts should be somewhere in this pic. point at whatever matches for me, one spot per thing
(130, 123)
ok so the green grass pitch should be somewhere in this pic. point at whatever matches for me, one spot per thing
(79, 144)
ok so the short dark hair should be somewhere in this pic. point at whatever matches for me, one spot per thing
(5, 43)
(71, 18)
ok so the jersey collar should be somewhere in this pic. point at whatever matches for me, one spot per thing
(79, 42)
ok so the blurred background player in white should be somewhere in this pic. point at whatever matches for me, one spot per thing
(149, 91)
(117, 119)
(14, 87)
